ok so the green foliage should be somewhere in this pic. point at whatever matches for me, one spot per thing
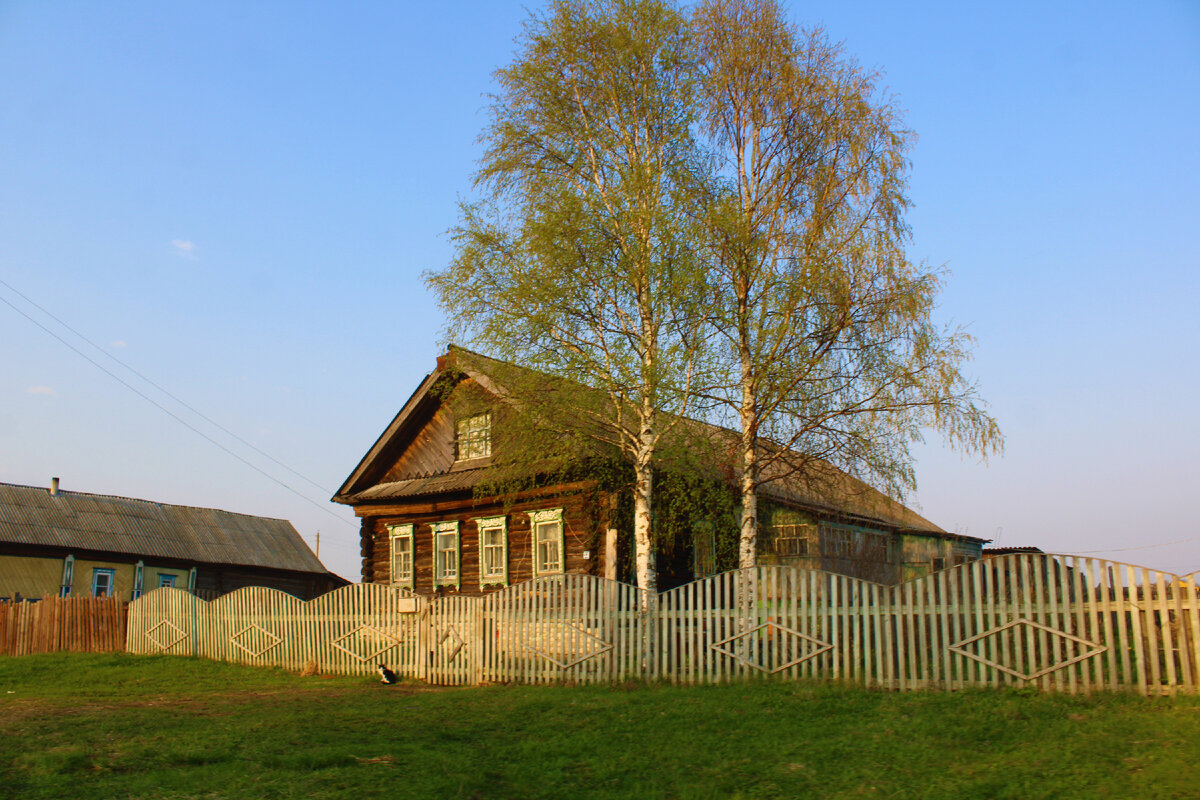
(273, 735)
(704, 216)
(579, 263)
(826, 331)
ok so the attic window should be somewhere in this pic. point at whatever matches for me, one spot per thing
(474, 437)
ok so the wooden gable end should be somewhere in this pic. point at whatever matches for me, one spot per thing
(430, 451)
(426, 442)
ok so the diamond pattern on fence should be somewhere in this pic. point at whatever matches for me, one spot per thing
(456, 644)
(161, 635)
(365, 643)
(568, 644)
(255, 640)
(765, 642)
(1033, 659)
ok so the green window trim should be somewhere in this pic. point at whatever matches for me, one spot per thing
(486, 525)
(544, 538)
(399, 538)
(443, 564)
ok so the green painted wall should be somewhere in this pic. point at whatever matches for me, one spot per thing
(29, 576)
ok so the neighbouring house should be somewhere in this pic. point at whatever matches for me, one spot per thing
(55, 542)
(432, 521)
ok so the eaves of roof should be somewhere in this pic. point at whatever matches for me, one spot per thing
(31, 515)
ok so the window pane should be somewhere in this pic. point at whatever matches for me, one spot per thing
(447, 556)
(402, 563)
(548, 557)
(492, 544)
(474, 436)
(102, 582)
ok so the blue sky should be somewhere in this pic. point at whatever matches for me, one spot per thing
(238, 200)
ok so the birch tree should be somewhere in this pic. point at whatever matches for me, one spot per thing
(830, 348)
(579, 262)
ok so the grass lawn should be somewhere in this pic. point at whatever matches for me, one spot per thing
(167, 727)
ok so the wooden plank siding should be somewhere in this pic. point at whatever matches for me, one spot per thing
(430, 452)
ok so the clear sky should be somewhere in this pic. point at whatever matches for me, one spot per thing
(238, 200)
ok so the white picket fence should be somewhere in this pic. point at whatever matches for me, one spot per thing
(1063, 623)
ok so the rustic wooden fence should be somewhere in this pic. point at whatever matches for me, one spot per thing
(53, 624)
(347, 631)
(1062, 623)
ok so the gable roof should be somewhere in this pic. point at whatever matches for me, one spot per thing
(834, 493)
(77, 520)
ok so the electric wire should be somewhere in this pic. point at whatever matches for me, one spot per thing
(207, 419)
(172, 414)
(1142, 547)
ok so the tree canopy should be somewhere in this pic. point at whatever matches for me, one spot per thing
(824, 324)
(683, 213)
(581, 261)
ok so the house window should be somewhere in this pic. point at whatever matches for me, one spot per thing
(102, 582)
(400, 538)
(445, 554)
(791, 540)
(475, 437)
(139, 576)
(166, 581)
(962, 555)
(939, 564)
(493, 550)
(68, 568)
(547, 541)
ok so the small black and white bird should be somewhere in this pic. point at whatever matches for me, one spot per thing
(386, 675)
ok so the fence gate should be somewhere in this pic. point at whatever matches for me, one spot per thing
(454, 640)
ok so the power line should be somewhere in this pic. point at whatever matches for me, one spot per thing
(207, 419)
(1143, 547)
(170, 413)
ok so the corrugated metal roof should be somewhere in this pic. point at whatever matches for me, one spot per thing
(415, 487)
(31, 515)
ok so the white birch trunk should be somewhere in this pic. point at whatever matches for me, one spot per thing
(748, 541)
(747, 585)
(647, 577)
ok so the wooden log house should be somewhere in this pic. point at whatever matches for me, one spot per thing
(427, 524)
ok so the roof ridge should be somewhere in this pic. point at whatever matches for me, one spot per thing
(158, 503)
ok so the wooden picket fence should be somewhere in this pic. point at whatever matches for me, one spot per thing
(1061, 623)
(53, 624)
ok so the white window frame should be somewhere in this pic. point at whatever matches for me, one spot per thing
(473, 437)
(139, 576)
(492, 524)
(536, 518)
(396, 534)
(111, 587)
(441, 575)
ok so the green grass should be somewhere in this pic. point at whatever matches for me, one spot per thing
(165, 727)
